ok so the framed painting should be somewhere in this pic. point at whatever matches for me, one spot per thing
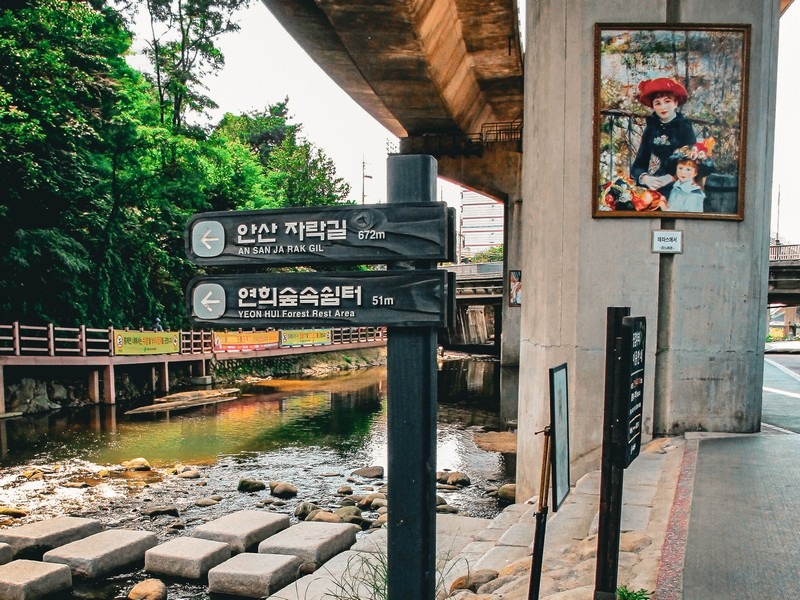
(559, 433)
(515, 288)
(670, 120)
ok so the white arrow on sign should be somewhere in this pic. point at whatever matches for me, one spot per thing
(206, 238)
(206, 301)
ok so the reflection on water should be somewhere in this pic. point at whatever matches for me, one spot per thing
(340, 419)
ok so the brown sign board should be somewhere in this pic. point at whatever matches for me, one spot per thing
(414, 298)
(363, 234)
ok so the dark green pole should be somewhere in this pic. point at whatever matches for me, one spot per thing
(412, 417)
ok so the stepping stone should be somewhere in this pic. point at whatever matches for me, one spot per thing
(242, 529)
(6, 553)
(103, 553)
(253, 575)
(30, 579)
(311, 541)
(34, 539)
(186, 557)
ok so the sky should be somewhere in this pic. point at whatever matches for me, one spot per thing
(263, 64)
(786, 173)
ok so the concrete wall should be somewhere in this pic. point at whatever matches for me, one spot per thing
(704, 307)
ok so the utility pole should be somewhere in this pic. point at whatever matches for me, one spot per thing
(364, 176)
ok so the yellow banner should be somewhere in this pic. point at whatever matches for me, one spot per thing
(146, 342)
(306, 337)
(253, 340)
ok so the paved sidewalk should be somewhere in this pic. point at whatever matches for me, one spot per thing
(503, 544)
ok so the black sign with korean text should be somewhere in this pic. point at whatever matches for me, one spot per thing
(413, 298)
(322, 235)
(634, 341)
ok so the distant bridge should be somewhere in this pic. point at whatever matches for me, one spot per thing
(86, 349)
(784, 275)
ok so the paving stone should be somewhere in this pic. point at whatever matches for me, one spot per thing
(326, 581)
(253, 575)
(520, 534)
(6, 553)
(186, 557)
(103, 553)
(313, 542)
(243, 529)
(500, 557)
(34, 539)
(30, 579)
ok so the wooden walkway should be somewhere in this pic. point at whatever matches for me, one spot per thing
(93, 352)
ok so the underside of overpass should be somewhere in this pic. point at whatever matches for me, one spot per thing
(445, 76)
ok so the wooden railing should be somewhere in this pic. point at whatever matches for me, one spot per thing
(50, 340)
(784, 252)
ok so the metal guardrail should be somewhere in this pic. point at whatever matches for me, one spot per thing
(475, 268)
(50, 340)
(784, 252)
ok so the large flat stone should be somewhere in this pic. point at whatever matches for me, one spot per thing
(242, 529)
(103, 553)
(312, 542)
(29, 579)
(34, 539)
(253, 575)
(186, 557)
(6, 553)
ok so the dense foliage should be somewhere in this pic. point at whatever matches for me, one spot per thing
(100, 170)
(493, 254)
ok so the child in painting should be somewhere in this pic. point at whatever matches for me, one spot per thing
(665, 131)
(691, 164)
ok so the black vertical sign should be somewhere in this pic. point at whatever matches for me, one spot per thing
(635, 329)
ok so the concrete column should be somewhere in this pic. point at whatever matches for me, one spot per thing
(512, 259)
(704, 307)
(109, 387)
(94, 386)
(163, 381)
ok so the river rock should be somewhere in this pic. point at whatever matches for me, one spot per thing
(473, 580)
(347, 512)
(366, 501)
(282, 489)
(251, 485)
(11, 511)
(323, 516)
(206, 502)
(149, 589)
(190, 474)
(345, 490)
(446, 509)
(304, 509)
(507, 492)
(158, 511)
(137, 464)
(375, 472)
(458, 478)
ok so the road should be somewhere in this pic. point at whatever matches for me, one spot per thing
(781, 401)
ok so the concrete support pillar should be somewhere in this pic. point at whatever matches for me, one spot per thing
(109, 387)
(704, 308)
(163, 380)
(94, 386)
(512, 260)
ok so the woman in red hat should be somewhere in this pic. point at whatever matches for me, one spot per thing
(665, 131)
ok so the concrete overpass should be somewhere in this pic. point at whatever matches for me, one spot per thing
(440, 73)
(445, 76)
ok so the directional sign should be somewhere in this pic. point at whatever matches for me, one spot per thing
(317, 235)
(634, 341)
(412, 298)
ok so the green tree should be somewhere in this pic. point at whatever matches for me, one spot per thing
(58, 63)
(493, 254)
(182, 51)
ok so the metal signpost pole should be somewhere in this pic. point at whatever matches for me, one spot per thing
(412, 417)
(611, 473)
